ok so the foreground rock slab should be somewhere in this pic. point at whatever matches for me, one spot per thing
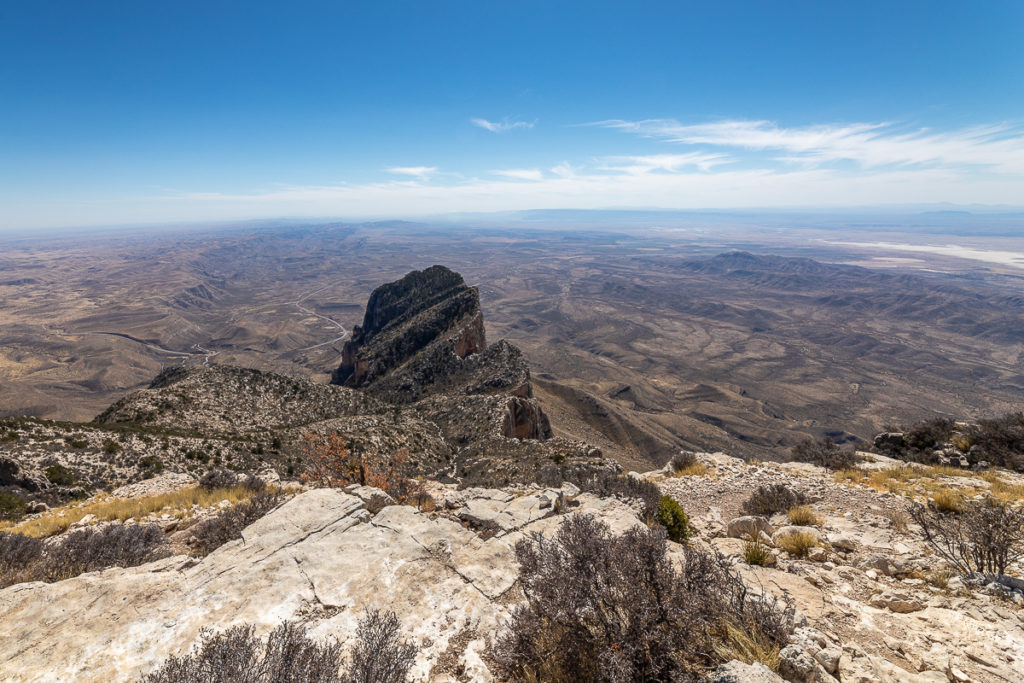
(321, 558)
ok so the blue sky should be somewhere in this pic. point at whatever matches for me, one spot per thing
(123, 112)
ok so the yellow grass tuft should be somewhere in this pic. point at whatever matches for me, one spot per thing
(748, 646)
(178, 504)
(803, 515)
(799, 544)
(697, 469)
(947, 500)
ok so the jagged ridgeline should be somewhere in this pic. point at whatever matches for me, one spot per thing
(417, 374)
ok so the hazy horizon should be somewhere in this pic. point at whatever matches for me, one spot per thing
(119, 113)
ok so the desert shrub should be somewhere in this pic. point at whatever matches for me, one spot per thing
(608, 484)
(19, 554)
(1000, 441)
(614, 608)
(756, 553)
(219, 478)
(798, 544)
(227, 525)
(929, 434)
(381, 654)
(672, 516)
(824, 453)
(60, 475)
(115, 545)
(110, 446)
(150, 465)
(12, 506)
(770, 499)
(330, 464)
(238, 655)
(23, 558)
(682, 461)
(985, 536)
(803, 515)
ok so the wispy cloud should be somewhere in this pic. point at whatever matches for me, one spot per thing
(520, 173)
(420, 172)
(999, 147)
(668, 163)
(725, 164)
(502, 126)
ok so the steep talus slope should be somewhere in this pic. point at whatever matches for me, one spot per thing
(228, 400)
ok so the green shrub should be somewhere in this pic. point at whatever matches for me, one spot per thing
(11, 506)
(60, 475)
(111, 446)
(672, 516)
(824, 453)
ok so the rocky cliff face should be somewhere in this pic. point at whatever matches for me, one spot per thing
(406, 318)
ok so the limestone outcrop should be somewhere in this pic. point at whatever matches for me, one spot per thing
(320, 559)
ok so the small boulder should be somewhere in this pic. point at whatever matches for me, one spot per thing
(748, 527)
(842, 542)
(374, 498)
(895, 601)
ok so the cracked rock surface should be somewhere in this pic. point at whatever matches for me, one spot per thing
(321, 558)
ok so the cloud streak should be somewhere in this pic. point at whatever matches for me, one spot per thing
(998, 147)
(421, 172)
(502, 126)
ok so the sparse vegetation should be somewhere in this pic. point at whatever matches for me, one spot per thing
(60, 475)
(29, 559)
(798, 544)
(12, 506)
(685, 464)
(177, 503)
(227, 525)
(999, 441)
(289, 655)
(824, 453)
(756, 553)
(614, 608)
(381, 654)
(947, 500)
(672, 516)
(985, 536)
(770, 499)
(803, 515)
(239, 655)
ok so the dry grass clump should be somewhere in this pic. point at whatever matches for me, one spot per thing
(756, 553)
(178, 504)
(798, 544)
(803, 515)
(947, 500)
(685, 464)
(748, 646)
(1003, 490)
(617, 608)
